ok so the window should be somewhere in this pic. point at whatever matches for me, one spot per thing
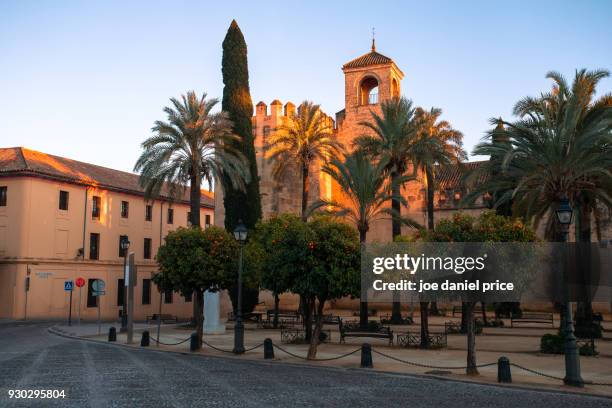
(147, 248)
(92, 300)
(120, 292)
(63, 200)
(168, 296)
(146, 291)
(368, 91)
(95, 207)
(3, 194)
(122, 252)
(207, 220)
(94, 246)
(188, 297)
(149, 213)
(266, 130)
(170, 216)
(125, 209)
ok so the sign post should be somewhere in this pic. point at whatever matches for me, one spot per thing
(80, 282)
(68, 286)
(98, 287)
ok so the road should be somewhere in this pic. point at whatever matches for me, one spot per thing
(101, 375)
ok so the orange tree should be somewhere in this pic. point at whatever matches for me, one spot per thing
(488, 227)
(194, 260)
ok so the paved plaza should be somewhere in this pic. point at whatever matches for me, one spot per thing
(102, 375)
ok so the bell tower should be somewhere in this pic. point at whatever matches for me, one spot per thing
(369, 80)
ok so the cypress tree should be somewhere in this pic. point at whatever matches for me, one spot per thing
(239, 106)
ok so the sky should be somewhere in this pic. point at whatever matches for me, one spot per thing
(86, 80)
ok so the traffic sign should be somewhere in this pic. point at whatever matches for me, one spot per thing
(80, 282)
(98, 285)
(68, 285)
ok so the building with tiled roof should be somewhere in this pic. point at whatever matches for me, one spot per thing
(61, 219)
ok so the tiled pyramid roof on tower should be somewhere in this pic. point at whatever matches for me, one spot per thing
(371, 58)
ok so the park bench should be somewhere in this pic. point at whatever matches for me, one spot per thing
(373, 330)
(408, 339)
(165, 318)
(533, 317)
(284, 319)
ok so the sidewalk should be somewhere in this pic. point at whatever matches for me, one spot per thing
(519, 345)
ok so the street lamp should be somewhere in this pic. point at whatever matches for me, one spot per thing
(564, 215)
(125, 245)
(240, 234)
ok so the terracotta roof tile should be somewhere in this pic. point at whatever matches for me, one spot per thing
(21, 161)
(450, 177)
(371, 58)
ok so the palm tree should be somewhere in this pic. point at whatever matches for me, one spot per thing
(391, 140)
(300, 142)
(191, 146)
(439, 145)
(367, 192)
(560, 147)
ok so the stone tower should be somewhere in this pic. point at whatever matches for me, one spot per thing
(368, 80)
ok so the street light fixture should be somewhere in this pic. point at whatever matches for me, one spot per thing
(240, 234)
(125, 245)
(572, 358)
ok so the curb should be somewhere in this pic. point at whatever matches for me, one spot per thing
(53, 330)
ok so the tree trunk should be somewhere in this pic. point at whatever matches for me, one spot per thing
(276, 305)
(464, 327)
(363, 305)
(396, 230)
(433, 309)
(471, 339)
(194, 200)
(424, 324)
(199, 300)
(309, 306)
(430, 199)
(484, 313)
(314, 341)
(305, 190)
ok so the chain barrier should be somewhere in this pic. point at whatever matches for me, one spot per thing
(229, 351)
(169, 344)
(429, 365)
(315, 359)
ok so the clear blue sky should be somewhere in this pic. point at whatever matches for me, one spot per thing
(86, 80)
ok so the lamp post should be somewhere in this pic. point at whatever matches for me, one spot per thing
(240, 234)
(572, 358)
(125, 245)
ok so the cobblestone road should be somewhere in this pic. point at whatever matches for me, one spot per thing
(99, 375)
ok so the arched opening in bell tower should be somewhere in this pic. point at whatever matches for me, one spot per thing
(368, 91)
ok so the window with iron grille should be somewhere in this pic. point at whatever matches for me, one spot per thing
(95, 207)
(146, 291)
(3, 195)
(94, 246)
(149, 213)
(170, 216)
(125, 209)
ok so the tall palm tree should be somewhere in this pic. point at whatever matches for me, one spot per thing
(300, 142)
(366, 192)
(191, 146)
(391, 138)
(438, 145)
(560, 147)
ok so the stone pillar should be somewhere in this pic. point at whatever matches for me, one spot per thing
(212, 309)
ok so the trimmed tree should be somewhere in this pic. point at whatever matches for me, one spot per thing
(237, 103)
(195, 260)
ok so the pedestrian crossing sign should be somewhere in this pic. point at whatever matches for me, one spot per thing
(68, 285)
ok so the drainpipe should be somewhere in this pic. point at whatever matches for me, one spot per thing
(84, 223)
(161, 223)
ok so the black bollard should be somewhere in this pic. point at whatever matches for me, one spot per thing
(268, 349)
(112, 334)
(503, 370)
(145, 339)
(366, 356)
(194, 346)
